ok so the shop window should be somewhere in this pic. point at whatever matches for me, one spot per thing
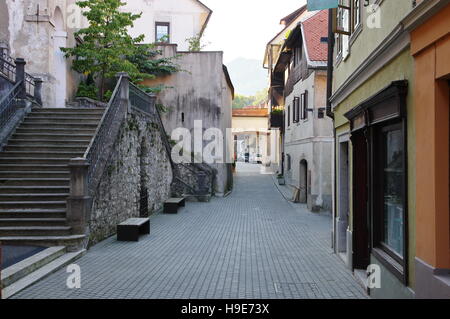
(381, 121)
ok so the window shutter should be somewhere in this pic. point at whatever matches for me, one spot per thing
(289, 116)
(296, 109)
(305, 105)
(294, 115)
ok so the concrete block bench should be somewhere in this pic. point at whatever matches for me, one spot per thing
(171, 205)
(132, 228)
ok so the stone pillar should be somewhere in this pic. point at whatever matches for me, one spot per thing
(79, 203)
(20, 76)
(124, 92)
(152, 105)
(3, 54)
(38, 90)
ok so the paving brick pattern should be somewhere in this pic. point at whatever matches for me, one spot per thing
(251, 244)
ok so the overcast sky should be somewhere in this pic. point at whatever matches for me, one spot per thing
(242, 28)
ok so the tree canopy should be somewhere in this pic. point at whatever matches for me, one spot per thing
(107, 47)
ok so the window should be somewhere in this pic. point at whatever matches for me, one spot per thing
(289, 116)
(304, 106)
(389, 191)
(162, 32)
(356, 14)
(346, 24)
(296, 109)
(288, 161)
(321, 113)
(379, 138)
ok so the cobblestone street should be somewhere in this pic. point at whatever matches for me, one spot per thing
(251, 244)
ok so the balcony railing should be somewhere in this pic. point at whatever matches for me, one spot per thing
(276, 119)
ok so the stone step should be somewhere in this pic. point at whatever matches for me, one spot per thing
(49, 115)
(22, 268)
(33, 197)
(33, 167)
(18, 231)
(34, 174)
(96, 114)
(44, 270)
(53, 137)
(46, 148)
(32, 205)
(35, 182)
(33, 213)
(34, 189)
(30, 142)
(48, 155)
(69, 110)
(8, 222)
(50, 131)
(71, 241)
(79, 124)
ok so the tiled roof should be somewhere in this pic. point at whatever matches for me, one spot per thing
(250, 112)
(315, 29)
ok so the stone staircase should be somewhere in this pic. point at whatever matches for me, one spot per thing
(35, 177)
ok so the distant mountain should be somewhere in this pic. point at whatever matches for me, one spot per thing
(248, 76)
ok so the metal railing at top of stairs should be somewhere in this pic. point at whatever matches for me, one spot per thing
(8, 106)
(14, 71)
(147, 103)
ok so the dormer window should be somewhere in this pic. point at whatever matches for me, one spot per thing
(162, 31)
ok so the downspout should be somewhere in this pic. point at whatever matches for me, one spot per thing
(330, 63)
(330, 114)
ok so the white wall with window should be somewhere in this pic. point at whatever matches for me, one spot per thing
(175, 20)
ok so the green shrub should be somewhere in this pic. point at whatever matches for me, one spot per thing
(87, 90)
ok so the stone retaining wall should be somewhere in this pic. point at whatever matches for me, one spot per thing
(138, 161)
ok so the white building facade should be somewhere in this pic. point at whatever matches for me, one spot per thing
(308, 137)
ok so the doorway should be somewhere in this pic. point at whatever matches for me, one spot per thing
(343, 208)
(361, 256)
(59, 61)
(303, 180)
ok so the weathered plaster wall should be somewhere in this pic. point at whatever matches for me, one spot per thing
(4, 22)
(198, 92)
(32, 37)
(139, 158)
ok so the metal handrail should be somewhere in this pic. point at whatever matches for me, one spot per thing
(8, 67)
(97, 152)
(7, 108)
(143, 101)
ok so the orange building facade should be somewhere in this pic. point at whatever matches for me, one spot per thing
(430, 47)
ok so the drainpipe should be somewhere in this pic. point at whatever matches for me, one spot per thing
(330, 63)
(330, 114)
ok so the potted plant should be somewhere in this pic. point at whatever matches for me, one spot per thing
(281, 180)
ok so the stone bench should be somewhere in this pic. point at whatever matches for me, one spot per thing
(130, 229)
(171, 205)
